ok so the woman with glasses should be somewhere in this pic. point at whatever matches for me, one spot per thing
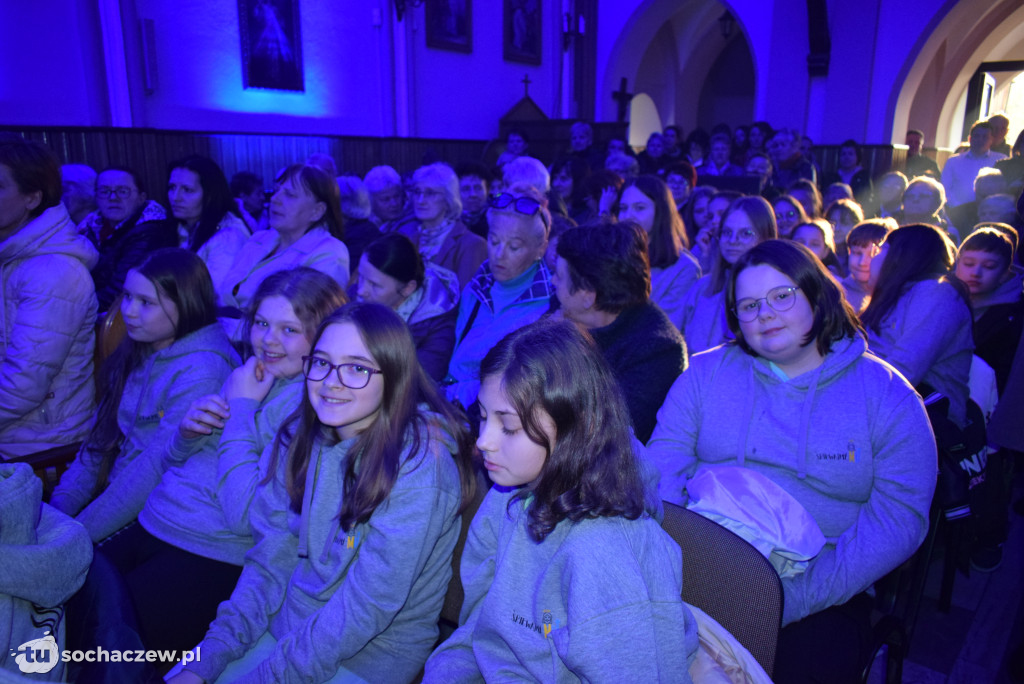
(511, 289)
(439, 233)
(647, 201)
(355, 521)
(798, 409)
(747, 222)
(789, 213)
(307, 229)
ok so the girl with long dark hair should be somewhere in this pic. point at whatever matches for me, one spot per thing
(174, 352)
(561, 544)
(355, 521)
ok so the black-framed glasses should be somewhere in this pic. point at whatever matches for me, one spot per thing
(352, 375)
(780, 299)
(119, 191)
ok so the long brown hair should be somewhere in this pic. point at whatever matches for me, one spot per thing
(377, 448)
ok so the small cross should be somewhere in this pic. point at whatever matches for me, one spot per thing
(526, 84)
(622, 97)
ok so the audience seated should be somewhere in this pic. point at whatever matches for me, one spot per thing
(925, 202)
(511, 289)
(439, 233)
(78, 190)
(917, 163)
(789, 213)
(773, 414)
(719, 160)
(961, 169)
(568, 176)
(426, 296)
(306, 229)
(1000, 127)
(357, 212)
(889, 199)
(788, 162)
(843, 214)
(809, 196)
(247, 189)
(681, 179)
(864, 242)
(387, 198)
(989, 181)
(673, 270)
(836, 191)
(652, 158)
(602, 280)
(207, 217)
(474, 182)
(48, 307)
(851, 172)
(125, 228)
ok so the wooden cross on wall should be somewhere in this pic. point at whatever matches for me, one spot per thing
(622, 97)
(526, 85)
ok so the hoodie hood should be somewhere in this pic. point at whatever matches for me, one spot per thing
(52, 232)
(1007, 293)
(440, 293)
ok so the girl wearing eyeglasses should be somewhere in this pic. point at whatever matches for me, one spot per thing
(193, 529)
(747, 222)
(788, 215)
(354, 523)
(566, 577)
(797, 400)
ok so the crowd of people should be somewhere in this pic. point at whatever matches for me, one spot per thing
(273, 463)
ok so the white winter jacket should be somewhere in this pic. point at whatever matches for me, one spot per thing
(47, 314)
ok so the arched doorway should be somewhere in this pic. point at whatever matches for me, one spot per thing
(933, 95)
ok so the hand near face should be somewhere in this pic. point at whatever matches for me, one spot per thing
(205, 415)
(249, 381)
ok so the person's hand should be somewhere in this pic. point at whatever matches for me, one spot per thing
(704, 239)
(205, 415)
(249, 381)
(607, 201)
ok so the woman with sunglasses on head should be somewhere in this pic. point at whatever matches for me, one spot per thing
(511, 289)
(439, 233)
(747, 221)
(797, 404)
(354, 523)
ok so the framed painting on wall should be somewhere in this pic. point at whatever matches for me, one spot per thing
(450, 25)
(271, 44)
(522, 31)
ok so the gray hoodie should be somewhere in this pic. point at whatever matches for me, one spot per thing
(850, 441)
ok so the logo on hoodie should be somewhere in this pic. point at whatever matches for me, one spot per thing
(849, 455)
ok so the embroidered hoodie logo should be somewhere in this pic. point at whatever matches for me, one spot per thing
(548, 622)
(850, 455)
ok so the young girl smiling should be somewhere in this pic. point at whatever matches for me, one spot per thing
(354, 524)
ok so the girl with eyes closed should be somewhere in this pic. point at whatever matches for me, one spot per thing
(566, 577)
(778, 403)
(354, 522)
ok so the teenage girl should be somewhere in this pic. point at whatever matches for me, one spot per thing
(173, 353)
(747, 221)
(194, 526)
(919, 319)
(566, 578)
(354, 524)
(647, 200)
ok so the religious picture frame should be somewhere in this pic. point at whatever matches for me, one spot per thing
(450, 25)
(522, 31)
(271, 44)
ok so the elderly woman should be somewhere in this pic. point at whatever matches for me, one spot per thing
(48, 309)
(603, 283)
(511, 289)
(209, 222)
(438, 232)
(360, 230)
(799, 411)
(306, 230)
(426, 296)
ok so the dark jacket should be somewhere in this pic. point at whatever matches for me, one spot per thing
(432, 322)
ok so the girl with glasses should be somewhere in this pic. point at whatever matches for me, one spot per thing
(797, 404)
(789, 213)
(193, 529)
(747, 222)
(354, 522)
(566, 577)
